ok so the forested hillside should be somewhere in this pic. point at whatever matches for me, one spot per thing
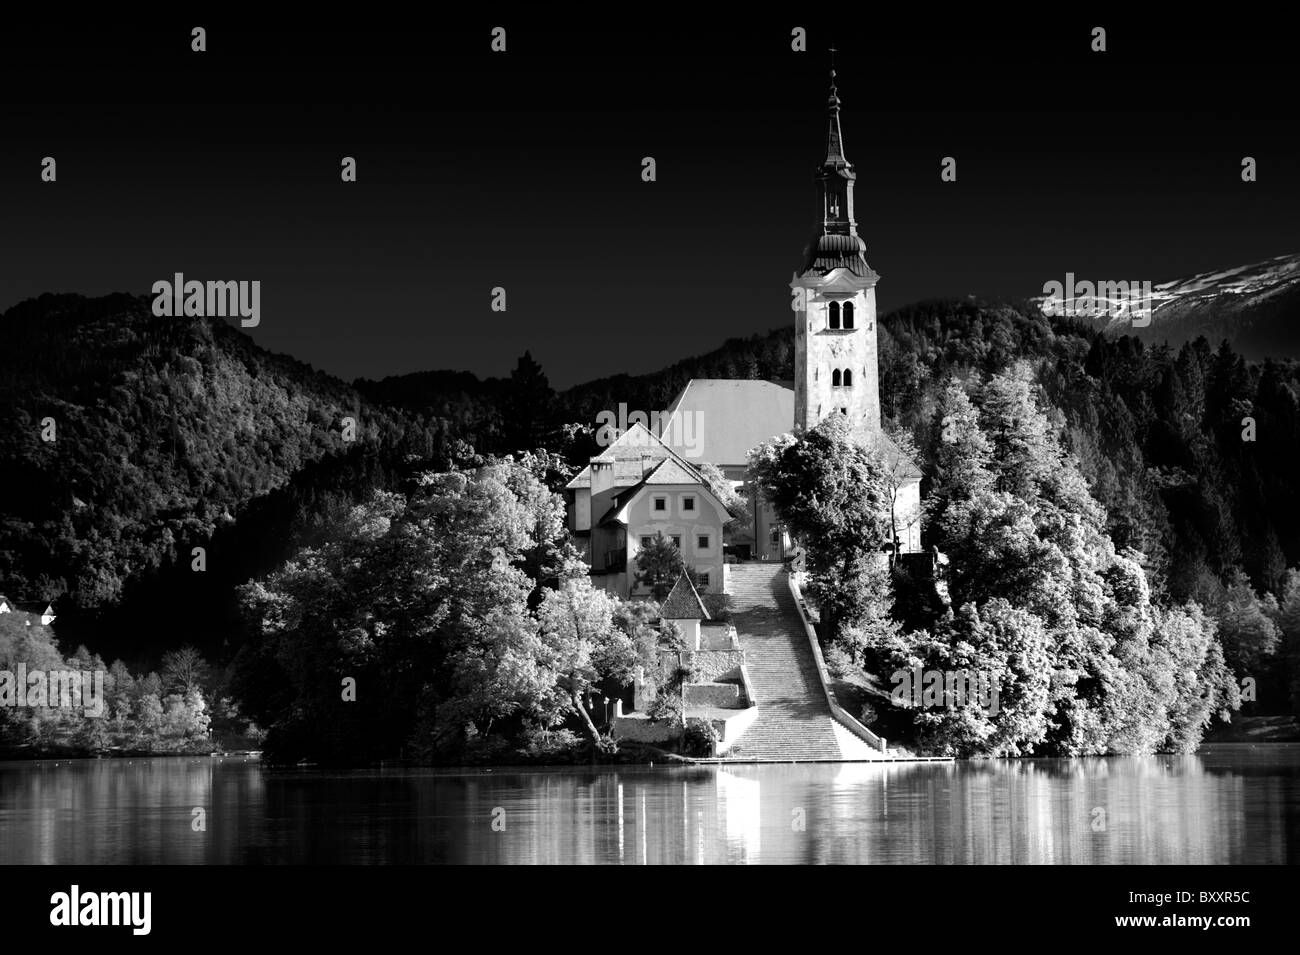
(130, 439)
(1164, 437)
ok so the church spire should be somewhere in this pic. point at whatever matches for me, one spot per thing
(836, 243)
(834, 136)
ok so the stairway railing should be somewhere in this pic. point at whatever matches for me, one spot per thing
(841, 715)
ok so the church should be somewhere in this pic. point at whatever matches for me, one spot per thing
(836, 372)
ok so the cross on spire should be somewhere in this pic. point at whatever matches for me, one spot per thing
(834, 139)
(834, 100)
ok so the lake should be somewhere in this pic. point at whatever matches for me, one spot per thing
(1228, 804)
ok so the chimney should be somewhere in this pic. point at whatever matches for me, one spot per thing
(602, 476)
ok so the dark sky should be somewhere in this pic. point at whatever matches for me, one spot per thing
(523, 170)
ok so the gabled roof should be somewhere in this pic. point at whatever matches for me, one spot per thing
(683, 602)
(666, 472)
(719, 420)
(670, 471)
(628, 455)
(896, 462)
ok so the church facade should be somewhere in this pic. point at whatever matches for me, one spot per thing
(836, 371)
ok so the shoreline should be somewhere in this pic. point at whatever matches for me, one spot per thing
(664, 759)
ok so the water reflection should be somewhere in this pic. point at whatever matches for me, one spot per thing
(1228, 804)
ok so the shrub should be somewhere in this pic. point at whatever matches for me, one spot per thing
(543, 743)
(666, 707)
(839, 662)
(700, 739)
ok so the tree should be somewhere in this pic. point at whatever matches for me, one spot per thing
(723, 490)
(1019, 524)
(1200, 685)
(1249, 636)
(583, 644)
(963, 456)
(427, 597)
(659, 565)
(502, 675)
(1288, 623)
(528, 409)
(184, 670)
(998, 659)
(149, 721)
(832, 494)
(896, 474)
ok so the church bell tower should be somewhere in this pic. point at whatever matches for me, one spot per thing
(834, 298)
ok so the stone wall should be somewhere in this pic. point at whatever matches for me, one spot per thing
(720, 695)
(718, 637)
(708, 664)
(645, 730)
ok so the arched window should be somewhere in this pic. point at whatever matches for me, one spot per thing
(848, 314)
(834, 310)
(835, 377)
(848, 378)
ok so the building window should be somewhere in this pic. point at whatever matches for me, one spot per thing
(661, 504)
(835, 378)
(646, 540)
(703, 541)
(775, 535)
(848, 314)
(704, 580)
(848, 378)
(688, 504)
(834, 311)
(845, 412)
(677, 540)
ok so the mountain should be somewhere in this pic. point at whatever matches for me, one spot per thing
(130, 439)
(1256, 308)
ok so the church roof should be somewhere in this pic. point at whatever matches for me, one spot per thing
(683, 602)
(719, 420)
(727, 418)
(830, 251)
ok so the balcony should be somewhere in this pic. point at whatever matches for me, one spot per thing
(616, 561)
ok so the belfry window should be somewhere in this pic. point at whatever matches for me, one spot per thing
(835, 378)
(848, 378)
(834, 311)
(848, 314)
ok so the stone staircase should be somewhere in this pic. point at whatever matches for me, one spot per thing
(794, 720)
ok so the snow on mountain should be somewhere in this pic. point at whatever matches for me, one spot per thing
(1255, 307)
